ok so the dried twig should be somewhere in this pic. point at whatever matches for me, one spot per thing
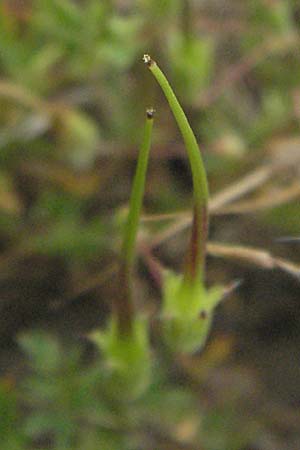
(236, 190)
(253, 256)
(23, 96)
(265, 202)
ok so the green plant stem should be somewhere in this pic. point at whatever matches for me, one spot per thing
(124, 304)
(195, 262)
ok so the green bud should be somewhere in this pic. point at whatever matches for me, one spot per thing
(127, 359)
(187, 313)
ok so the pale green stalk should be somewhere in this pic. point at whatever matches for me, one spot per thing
(137, 194)
(123, 303)
(194, 269)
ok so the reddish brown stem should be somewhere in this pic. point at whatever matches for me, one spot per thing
(195, 258)
(122, 302)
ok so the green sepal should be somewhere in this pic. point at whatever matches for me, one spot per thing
(127, 359)
(187, 312)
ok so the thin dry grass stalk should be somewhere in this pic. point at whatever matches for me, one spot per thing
(262, 203)
(236, 190)
(253, 256)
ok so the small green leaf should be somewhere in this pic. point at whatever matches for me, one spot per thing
(43, 351)
(192, 59)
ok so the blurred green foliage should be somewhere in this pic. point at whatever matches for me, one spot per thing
(70, 407)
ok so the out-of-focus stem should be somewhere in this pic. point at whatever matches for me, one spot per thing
(123, 302)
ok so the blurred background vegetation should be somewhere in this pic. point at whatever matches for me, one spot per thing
(73, 91)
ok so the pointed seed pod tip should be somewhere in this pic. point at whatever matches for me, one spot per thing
(150, 113)
(148, 60)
